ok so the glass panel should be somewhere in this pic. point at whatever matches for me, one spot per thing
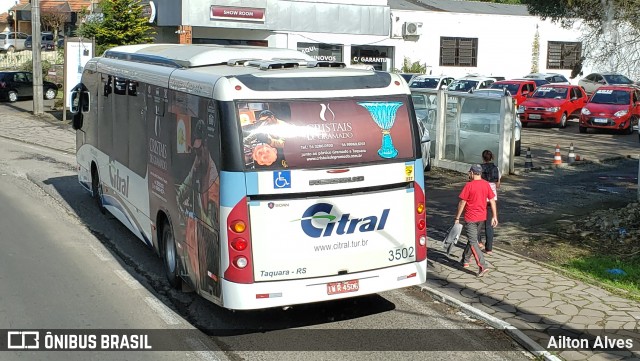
(472, 125)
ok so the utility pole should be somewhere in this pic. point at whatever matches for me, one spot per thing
(38, 97)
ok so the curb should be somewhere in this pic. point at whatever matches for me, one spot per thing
(36, 144)
(494, 322)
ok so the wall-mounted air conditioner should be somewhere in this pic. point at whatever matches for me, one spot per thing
(412, 29)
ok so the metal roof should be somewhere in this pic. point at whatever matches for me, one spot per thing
(459, 6)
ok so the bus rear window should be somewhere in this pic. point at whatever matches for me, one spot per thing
(323, 133)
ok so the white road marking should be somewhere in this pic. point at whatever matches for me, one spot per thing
(130, 281)
(203, 355)
(102, 255)
(163, 311)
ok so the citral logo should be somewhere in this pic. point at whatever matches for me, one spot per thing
(344, 225)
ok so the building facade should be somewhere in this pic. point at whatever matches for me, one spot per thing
(448, 37)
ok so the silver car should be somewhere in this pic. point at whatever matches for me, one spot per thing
(592, 82)
(11, 41)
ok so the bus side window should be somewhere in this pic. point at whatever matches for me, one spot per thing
(120, 86)
(132, 88)
(108, 89)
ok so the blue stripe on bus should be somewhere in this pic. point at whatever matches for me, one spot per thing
(419, 172)
(233, 186)
(252, 183)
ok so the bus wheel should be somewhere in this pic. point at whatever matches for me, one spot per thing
(170, 256)
(96, 188)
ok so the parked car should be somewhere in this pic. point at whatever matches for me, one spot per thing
(19, 84)
(519, 89)
(539, 82)
(552, 78)
(592, 82)
(11, 41)
(552, 104)
(425, 115)
(612, 107)
(469, 82)
(408, 76)
(430, 81)
(47, 42)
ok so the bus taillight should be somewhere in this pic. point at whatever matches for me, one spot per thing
(239, 244)
(421, 223)
(240, 268)
(238, 226)
(240, 262)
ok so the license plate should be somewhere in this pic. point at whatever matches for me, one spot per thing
(600, 120)
(535, 116)
(342, 287)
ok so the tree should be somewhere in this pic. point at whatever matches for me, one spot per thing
(122, 23)
(54, 19)
(535, 52)
(409, 67)
(610, 30)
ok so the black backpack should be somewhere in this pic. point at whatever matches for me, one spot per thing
(490, 172)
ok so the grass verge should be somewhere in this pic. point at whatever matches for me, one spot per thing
(600, 268)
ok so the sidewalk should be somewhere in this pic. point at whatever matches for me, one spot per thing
(524, 294)
(45, 131)
(534, 298)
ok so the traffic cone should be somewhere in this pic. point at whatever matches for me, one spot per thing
(528, 162)
(572, 156)
(557, 158)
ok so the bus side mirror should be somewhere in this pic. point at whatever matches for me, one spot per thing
(77, 121)
(79, 101)
(75, 102)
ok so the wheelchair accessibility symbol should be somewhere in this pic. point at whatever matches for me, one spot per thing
(282, 179)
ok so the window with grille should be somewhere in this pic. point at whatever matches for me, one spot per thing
(458, 51)
(563, 55)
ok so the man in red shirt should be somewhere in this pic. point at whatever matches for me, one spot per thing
(473, 201)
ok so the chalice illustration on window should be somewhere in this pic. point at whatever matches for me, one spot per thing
(384, 114)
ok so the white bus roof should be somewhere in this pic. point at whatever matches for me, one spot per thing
(189, 55)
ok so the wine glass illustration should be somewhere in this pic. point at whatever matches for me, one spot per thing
(384, 114)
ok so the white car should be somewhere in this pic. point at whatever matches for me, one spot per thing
(470, 82)
(592, 82)
(11, 41)
(425, 116)
(431, 81)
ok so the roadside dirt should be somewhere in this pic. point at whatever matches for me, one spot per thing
(554, 214)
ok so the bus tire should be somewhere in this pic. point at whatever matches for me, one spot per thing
(170, 256)
(96, 189)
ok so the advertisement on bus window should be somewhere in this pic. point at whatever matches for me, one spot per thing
(320, 133)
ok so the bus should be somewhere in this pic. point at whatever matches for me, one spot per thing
(261, 177)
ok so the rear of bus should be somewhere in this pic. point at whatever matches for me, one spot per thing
(322, 188)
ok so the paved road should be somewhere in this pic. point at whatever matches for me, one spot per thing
(592, 146)
(327, 326)
(54, 274)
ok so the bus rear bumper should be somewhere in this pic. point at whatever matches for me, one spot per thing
(260, 295)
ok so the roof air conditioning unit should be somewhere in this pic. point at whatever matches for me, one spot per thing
(412, 29)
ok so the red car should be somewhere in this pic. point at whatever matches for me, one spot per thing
(519, 89)
(612, 107)
(552, 104)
